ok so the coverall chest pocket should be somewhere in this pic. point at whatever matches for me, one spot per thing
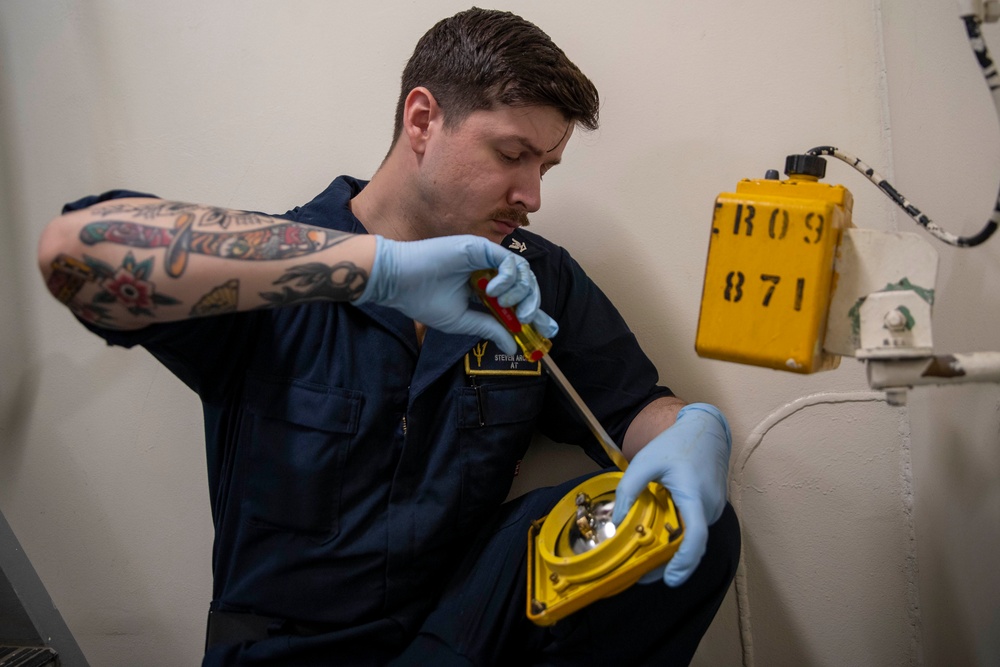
(298, 435)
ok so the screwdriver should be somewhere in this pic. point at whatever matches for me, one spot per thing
(536, 348)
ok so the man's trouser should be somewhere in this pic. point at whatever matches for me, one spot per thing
(480, 618)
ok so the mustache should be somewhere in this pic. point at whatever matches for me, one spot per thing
(512, 215)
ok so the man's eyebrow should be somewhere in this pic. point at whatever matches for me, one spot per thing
(530, 147)
(535, 150)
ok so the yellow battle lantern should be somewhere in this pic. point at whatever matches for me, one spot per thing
(769, 273)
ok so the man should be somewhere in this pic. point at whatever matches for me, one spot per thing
(364, 422)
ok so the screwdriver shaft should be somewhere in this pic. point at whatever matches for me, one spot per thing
(609, 446)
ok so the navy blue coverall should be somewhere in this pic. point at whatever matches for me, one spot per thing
(358, 479)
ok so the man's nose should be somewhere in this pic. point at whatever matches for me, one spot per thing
(526, 191)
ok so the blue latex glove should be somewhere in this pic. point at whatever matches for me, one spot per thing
(429, 282)
(691, 460)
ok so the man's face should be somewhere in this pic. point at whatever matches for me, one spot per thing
(484, 176)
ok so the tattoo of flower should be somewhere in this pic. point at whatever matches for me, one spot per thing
(129, 286)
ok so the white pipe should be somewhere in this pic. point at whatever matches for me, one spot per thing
(753, 442)
(941, 369)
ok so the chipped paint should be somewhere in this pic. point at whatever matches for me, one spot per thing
(944, 366)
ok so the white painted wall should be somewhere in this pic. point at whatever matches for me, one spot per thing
(870, 531)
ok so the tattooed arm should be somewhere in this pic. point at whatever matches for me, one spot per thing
(137, 261)
(130, 262)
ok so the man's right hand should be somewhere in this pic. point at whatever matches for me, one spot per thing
(429, 281)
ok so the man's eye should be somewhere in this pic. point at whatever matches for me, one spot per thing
(507, 158)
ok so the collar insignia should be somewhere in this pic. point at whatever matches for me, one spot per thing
(519, 246)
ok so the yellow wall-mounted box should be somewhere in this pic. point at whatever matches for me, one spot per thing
(769, 273)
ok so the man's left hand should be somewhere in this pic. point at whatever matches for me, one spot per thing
(691, 460)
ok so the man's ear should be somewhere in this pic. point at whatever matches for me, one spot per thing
(421, 116)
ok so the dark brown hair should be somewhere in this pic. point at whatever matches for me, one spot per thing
(479, 59)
